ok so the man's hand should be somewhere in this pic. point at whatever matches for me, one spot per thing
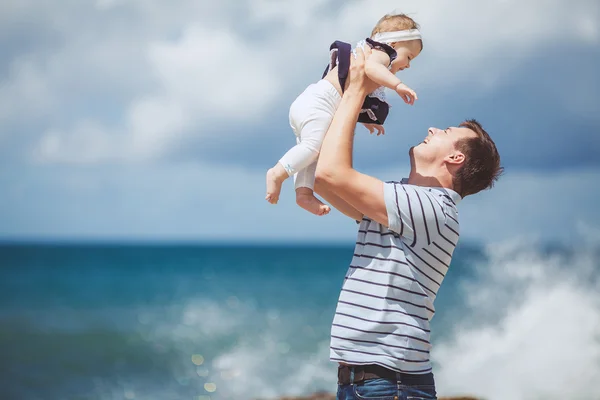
(357, 77)
(373, 127)
(408, 95)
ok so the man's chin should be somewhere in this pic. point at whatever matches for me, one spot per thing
(415, 148)
(411, 156)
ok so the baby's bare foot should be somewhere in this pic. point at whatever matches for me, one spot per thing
(275, 179)
(310, 203)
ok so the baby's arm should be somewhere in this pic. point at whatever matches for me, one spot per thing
(376, 69)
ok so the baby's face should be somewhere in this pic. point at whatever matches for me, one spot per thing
(407, 51)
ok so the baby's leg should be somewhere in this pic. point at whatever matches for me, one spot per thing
(307, 121)
(275, 178)
(310, 116)
(305, 196)
(296, 159)
(306, 199)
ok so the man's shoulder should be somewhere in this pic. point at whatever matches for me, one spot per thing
(416, 188)
(429, 199)
(432, 190)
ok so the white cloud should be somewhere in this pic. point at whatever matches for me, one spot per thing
(87, 143)
(192, 60)
(214, 74)
(541, 204)
(26, 92)
(203, 78)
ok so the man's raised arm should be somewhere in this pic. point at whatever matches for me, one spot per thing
(334, 200)
(334, 168)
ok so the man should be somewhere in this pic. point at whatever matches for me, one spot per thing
(408, 230)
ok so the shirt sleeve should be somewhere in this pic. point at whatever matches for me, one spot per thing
(413, 213)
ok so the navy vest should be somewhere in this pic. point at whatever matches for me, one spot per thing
(343, 53)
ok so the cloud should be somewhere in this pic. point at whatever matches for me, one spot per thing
(146, 80)
(26, 92)
(545, 204)
(535, 124)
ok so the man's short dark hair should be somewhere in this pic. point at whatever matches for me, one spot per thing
(481, 168)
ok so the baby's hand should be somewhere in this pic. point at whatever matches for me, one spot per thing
(372, 127)
(408, 95)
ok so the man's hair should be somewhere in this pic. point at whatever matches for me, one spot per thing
(481, 168)
(395, 22)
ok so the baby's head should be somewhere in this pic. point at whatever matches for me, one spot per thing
(407, 49)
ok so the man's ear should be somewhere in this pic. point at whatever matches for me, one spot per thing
(455, 158)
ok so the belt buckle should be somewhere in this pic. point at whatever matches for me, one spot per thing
(344, 374)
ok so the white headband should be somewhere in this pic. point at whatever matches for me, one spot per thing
(397, 36)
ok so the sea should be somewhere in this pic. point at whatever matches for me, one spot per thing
(514, 320)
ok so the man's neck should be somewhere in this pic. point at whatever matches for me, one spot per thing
(417, 179)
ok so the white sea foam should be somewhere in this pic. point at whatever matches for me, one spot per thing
(268, 369)
(544, 342)
(246, 353)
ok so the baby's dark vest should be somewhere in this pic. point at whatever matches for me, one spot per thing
(344, 51)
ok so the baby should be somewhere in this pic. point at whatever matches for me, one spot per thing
(395, 42)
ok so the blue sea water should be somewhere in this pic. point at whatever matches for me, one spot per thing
(190, 321)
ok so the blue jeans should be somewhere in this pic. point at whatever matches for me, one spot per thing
(386, 389)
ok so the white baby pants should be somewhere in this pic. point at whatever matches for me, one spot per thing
(310, 116)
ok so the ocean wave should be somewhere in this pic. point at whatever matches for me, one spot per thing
(532, 326)
(527, 326)
(530, 329)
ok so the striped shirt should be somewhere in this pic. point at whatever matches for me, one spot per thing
(386, 302)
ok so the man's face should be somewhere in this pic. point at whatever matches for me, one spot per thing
(440, 144)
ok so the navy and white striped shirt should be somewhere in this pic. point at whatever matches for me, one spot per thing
(386, 302)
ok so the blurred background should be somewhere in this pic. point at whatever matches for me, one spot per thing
(139, 259)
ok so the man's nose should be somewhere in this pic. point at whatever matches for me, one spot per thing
(432, 131)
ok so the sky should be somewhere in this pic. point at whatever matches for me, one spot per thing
(149, 120)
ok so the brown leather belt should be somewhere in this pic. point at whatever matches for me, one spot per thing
(363, 373)
(373, 371)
